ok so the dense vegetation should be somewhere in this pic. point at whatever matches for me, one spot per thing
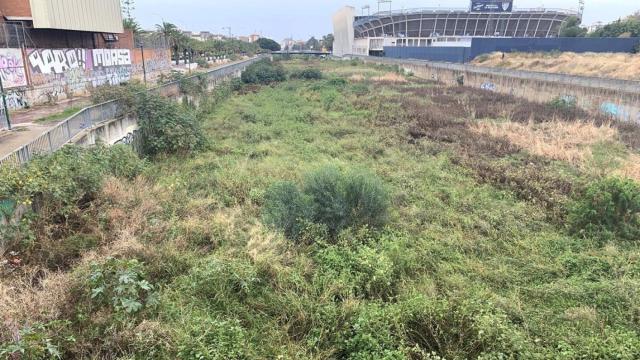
(365, 214)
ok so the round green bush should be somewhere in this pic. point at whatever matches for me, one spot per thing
(608, 209)
(330, 198)
(263, 72)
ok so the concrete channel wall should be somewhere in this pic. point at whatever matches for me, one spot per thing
(619, 99)
(124, 129)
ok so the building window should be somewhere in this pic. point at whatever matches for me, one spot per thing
(110, 37)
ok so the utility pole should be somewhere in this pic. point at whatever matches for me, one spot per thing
(227, 28)
(4, 103)
(144, 66)
(368, 8)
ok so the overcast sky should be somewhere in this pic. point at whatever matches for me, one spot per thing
(279, 19)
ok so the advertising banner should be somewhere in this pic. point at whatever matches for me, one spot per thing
(491, 6)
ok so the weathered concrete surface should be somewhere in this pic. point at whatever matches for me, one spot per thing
(616, 98)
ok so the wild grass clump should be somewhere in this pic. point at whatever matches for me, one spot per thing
(264, 72)
(609, 209)
(330, 198)
(306, 74)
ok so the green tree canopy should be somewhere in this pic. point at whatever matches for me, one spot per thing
(268, 44)
(629, 27)
(312, 44)
(572, 28)
(327, 41)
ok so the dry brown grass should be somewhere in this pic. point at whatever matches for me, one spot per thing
(566, 141)
(388, 78)
(618, 65)
(36, 295)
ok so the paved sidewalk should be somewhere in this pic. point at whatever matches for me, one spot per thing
(27, 127)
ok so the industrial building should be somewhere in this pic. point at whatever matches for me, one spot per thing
(62, 24)
(459, 35)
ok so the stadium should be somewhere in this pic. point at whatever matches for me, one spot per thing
(430, 28)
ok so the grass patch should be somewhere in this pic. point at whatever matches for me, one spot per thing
(473, 258)
(63, 115)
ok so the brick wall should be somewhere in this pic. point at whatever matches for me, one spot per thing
(15, 8)
(125, 41)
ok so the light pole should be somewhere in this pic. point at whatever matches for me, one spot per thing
(4, 103)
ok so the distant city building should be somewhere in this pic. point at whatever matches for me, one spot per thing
(254, 37)
(244, 38)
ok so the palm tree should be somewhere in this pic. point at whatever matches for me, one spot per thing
(173, 35)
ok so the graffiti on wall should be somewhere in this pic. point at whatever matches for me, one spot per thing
(12, 68)
(56, 61)
(155, 61)
(111, 57)
(57, 73)
(620, 112)
(72, 71)
(489, 86)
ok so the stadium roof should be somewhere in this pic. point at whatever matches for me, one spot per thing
(429, 22)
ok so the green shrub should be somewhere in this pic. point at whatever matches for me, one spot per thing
(286, 208)
(264, 72)
(167, 128)
(215, 340)
(39, 341)
(337, 82)
(371, 335)
(329, 198)
(366, 200)
(120, 285)
(219, 282)
(61, 180)
(360, 271)
(458, 329)
(202, 63)
(326, 189)
(564, 103)
(307, 74)
(609, 208)
(127, 93)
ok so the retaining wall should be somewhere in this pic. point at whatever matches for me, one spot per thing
(619, 99)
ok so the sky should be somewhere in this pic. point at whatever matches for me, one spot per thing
(279, 19)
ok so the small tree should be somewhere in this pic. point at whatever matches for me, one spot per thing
(268, 44)
(572, 28)
(327, 41)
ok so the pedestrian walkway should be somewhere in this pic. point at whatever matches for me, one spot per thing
(28, 124)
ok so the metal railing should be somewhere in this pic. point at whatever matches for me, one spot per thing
(61, 134)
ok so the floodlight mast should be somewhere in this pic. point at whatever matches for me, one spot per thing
(380, 2)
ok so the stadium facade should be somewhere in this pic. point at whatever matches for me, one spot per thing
(428, 27)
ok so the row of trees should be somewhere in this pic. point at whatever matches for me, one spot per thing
(314, 44)
(627, 27)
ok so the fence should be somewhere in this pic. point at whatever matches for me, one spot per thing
(62, 133)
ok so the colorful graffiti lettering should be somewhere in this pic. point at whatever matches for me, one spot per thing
(489, 86)
(620, 112)
(12, 68)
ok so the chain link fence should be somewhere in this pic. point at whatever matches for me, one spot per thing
(86, 118)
